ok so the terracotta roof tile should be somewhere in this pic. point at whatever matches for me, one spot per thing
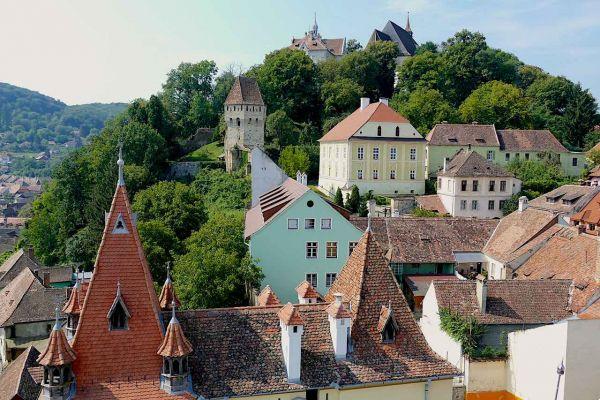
(306, 291)
(463, 135)
(175, 344)
(133, 389)
(590, 213)
(337, 309)
(267, 297)
(529, 140)
(565, 199)
(466, 163)
(289, 315)
(508, 301)
(431, 202)
(168, 296)
(59, 351)
(16, 381)
(75, 302)
(244, 91)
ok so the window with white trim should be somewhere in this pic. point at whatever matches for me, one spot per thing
(490, 155)
(375, 153)
(393, 153)
(360, 153)
(359, 174)
(503, 186)
(412, 174)
(413, 154)
(393, 174)
(330, 278)
(293, 223)
(463, 204)
(331, 249)
(309, 223)
(312, 279)
(474, 205)
(312, 249)
(325, 223)
(375, 174)
(351, 246)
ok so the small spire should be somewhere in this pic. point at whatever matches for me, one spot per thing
(168, 280)
(120, 163)
(118, 288)
(57, 322)
(407, 29)
(173, 317)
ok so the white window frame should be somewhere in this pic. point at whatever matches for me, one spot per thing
(393, 153)
(490, 155)
(359, 174)
(309, 278)
(314, 223)
(412, 174)
(309, 246)
(474, 205)
(503, 186)
(324, 220)
(463, 204)
(392, 174)
(375, 153)
(330, 277)
(334, 246)
(375, 174)
(413, 154)
(360, 154)
(297, 223)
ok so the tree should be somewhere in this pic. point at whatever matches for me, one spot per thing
(223, 191)
(427, 47)
(385, 54)
(353, 45)
(353, 202)
(594, 157)
(294, 159)
(160, 246)
(215, 270)
(425, 108)
(280, 130)
(538, 176)
(223, 85)
(83, 246)
(340, 96)
(176, 204)
(423, 71)
(338, 199)
(496, 103)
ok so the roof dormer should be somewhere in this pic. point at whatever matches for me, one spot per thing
(118, 315)
(387, 325)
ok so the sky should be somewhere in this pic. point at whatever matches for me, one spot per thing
(84, 51)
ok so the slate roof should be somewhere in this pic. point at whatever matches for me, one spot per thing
(392, 32)
(244, 91)
(529, 140)
(428, 240)
(508, 301)
(463, 135)
(14, 264)
(565, 199)
(374, 112)
(315, 43)
(567, 255)
(16, 382)
(467, 163)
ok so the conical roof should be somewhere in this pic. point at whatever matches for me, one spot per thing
(73, 304)
(167, 295)
(175, 344)
(59, 351)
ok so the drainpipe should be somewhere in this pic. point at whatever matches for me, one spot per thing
(427, 384)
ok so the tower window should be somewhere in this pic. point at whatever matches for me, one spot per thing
(389, 332)
(397, 131)
(118, 319)
(120, 226)
(379, 131)
(238, 121)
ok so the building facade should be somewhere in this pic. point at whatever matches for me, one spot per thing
(470, 186)
(245, 114)
(318, 48)
(374, 148)
(498, 146)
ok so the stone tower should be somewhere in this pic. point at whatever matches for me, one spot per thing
(245, 114)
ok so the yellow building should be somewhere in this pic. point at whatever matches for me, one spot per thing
(374, 148)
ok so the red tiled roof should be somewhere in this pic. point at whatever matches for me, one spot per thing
(244, 91)
(267, 297)
(133, 389)
(374, 112)
(431, 202)
(59, 351)
(337, 310)
(529, 140)
(73, 305)
(175, 344)
(16, 382)
(565, 198)
(468, 163)
(590, 214)
(463, 135)
(418, 284)
(306, 291)
(168, 296)
(289, 315)
(104, 355)
(508, 301)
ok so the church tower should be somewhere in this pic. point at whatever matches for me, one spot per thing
(245, 114)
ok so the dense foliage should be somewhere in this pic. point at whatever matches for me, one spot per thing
(465, 330)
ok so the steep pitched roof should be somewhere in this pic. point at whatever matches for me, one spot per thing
(121, 260)
(16, 382)
(374, 112)
(508, 301)
(289, 315)
(267, 297)
(431, 202)
(529, 140)
(467, 163)
(428, 240)
(463, 135)
(244, 91)
(14, 264)
(315, 43)
(167, 295)
(175, 344)
(392, 32)
(58, 352)
(75, 302)
(590, 214)
(367, 283)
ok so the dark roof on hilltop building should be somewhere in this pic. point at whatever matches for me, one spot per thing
(394, 33)
(463, 135)
(508, 301)
(17, 381)
(467, 163)
(428, 240)
(244, 91)
(532, 140)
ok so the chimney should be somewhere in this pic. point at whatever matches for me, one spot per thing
(30, 252)
(46, 279)
(364, 102)
(292, 328)
(481, 291)
(299, 176)
(383, 100)
(522, 203)
(445, 164)
(304, 179)
(474, 123)
(469, 147)
(339, 326)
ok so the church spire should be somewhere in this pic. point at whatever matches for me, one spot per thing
(407, 29)
(121, 163)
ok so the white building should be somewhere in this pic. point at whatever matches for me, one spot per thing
(318, 48)
(471, 186)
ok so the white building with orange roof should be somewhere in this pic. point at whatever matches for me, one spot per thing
(374, 148)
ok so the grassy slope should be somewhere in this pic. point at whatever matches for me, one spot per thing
(209, 152)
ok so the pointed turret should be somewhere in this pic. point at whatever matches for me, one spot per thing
(56, 360)
(175, 349)
(167, 294)
(72, 308)
(407, 29)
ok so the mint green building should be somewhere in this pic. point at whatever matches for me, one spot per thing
(296, 235)
(498, 146)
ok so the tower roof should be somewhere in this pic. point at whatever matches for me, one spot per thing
(167, 295)
(244, 91)
(267, 297)
(120, 259)
(59, 351)
(175, 344)
(289, 315)
(75, 301)
(306, 291)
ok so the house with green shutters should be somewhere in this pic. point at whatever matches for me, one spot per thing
(295, 234)
(499, 146)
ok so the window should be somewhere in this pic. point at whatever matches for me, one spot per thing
(331, 250)
(292, 223)
(397, 131)
(492, 186)
(351, 246)
(309, 223)
(379, 131)
(325, 223)
(503, 186)
(393, 174)
(413, 154)
(312, 279)
(507, 157)
(120, 226)
(439, 183)
(463, 186)
(359, 174)
(376, 153)
(517, 155)
(389, 331)
(501, 204)
(490, 155)
(393, 153)
(475, 185)
(474, 205)
(396, 269)
(312, 394)
(375, 174)
(311, 249)
(237, 120)
(361, 153)
(310, 203)
(412, 174)
(118, 315)
(491, 205)
(574, 161)
(463, 204)
(330, 278)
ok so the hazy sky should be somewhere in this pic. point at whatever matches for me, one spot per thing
(84, 51)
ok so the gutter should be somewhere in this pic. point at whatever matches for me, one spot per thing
(398, 381)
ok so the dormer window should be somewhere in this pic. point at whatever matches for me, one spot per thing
(118, 315)
(387, 326)
(389, 332)
(120, 226)
(397, 131)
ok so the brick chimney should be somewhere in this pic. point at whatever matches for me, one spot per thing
(481, 290)
(364, 102)
(46, 279)
(292, 328)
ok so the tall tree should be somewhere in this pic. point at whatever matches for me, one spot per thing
(425, 108)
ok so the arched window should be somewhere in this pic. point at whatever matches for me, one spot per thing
(118, 319)
(238, 121)
(389, 332)
(379, 131)
(397, 131)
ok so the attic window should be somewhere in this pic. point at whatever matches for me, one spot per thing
(397, 131)
(453, 140)
(379, 131)
(480, 140)
(120, 226)
(389, 332)
(118, 315)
